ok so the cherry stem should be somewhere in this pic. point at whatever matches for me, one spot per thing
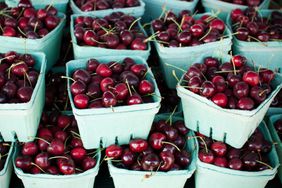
(38, 138)
(127, 84)
(261, 93)
(134, 22)
(174, 75)
(28, 79)
(74, 133)
(179, 26)
(263, 163)
(150, 38)
(6, 58)
(1, 156)
(227, 71)
(35, 27)
(169, 143)
(171, 115)
(203, 140)
(69, 78)
(52, 2)
(66, 105)
(251, 37)
(21, 31)
(38, 167)
(98, 41)
(13, 65)
(96, 99)
(163, 10)
(206, 34)
(192, 87)
(65, 143)
(58, 157)
(234, 68)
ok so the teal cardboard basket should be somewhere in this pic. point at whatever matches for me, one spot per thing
(83, 180)
(275, 136)
(184, 57)
(209, 175)
(6, 172)
(22, 119)
(124, 178)
(224, 8)
(154, 8)
(134, 11)
(257, 51)
(274, 110)
(232, 126)
(60, 5)
(81, 52)
(105, 124)
(50, 44)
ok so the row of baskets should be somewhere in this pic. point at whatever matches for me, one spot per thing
(206, 174)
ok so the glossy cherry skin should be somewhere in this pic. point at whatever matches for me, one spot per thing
(114, 151)
(138, 145)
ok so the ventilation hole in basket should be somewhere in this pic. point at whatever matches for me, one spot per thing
(116, 140)
(210, 132)
(131, 137)
(198, 127)
(101, 143)
(224, 137)
(1, 137)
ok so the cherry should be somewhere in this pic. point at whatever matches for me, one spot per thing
(78, 153)
(52, 170)
(114, 151)
(258, 94)
(208, 89)
(81, 101)
(146, 87)
(197, 30)
(66, 166)
(156, 140)
(220, 99)
(245, 103)
(241, 89)
(109, 99)
(138, 44)
(51, 22)
(88, 163)
(29, 149)
(82, 75)
(138, 145)
(56, 147)
(180, 126)
(92, 65)
(134, 99)
(23, 162)
(235, 164)
(42, 160)
(90, 38)
(221, 162)
(217, 24)
(106, 84)
(184, 37)
(76, 142)
(233, 153)
(250, 160)
(183, 158)
(25, 93)
(150, 162)
(63, 121)
(266, 75)
(121, 91)
(167, 160)
(61, 135)
(219, 148)
(104, 70)
(78, 87)
(206, 156)
(251, 78)
(238, 61)
(128, 157)
(194, 84)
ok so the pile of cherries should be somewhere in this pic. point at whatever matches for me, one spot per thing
(184, 30)
(232, 85)
(24, 21)
(92, 5)
(4, 151)
(57, 149)
(250, 3)
(115, 31)
(253, 156)
(111, 84)
(278, 127)
(56, 96)
(17, 77)
(163, 151)
(249, 25)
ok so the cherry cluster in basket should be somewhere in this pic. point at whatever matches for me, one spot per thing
(249, 25)
(163, 151)
(57, 149)
(4, 151)
(184, 30)
(232, 85)
(253, 156)
(17, 77)
(111, 84)
(115, 31)
(56, 96)
(250, 3)
(278, 127)
(24, 21)
(92, 5)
